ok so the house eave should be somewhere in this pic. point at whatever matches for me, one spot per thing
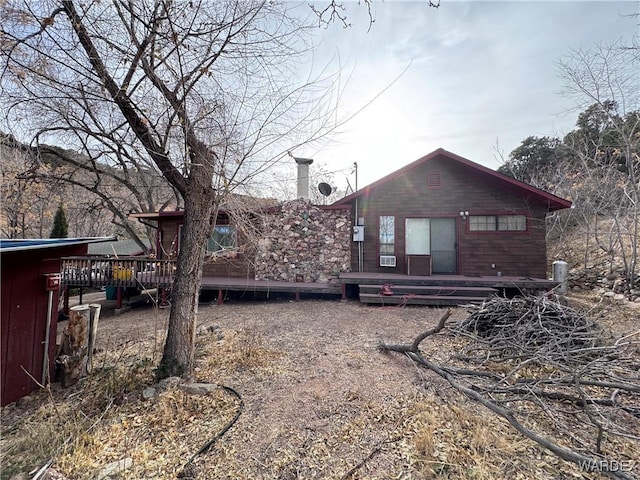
(551, 201)
(18, 245)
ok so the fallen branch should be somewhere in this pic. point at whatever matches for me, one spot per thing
(539, 333)
(416, 343)
(372, 453)
(564, 453)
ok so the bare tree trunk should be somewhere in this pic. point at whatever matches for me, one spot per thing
(161, 88)
(177, 359)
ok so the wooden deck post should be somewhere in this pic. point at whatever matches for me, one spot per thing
(118, 297)
(94, 316)
(220, 297)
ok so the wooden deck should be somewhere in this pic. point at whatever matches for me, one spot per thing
(231, 284)
(438, 290)
(502, 282)
(144, 273)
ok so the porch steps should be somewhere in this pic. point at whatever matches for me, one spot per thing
(436, 295)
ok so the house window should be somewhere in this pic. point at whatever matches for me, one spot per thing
(512, 223)
(387, 238)
(497, 223)
(223, 238)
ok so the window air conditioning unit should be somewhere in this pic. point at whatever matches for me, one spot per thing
(387, 260)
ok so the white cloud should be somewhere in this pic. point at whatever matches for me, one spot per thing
(479, 73)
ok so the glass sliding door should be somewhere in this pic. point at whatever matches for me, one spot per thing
(435, 237)
(418, 241)
(443, 245)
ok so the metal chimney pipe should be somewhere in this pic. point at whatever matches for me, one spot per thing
(303, 176)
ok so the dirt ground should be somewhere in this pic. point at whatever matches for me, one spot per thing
(318, 397)
(320, 401)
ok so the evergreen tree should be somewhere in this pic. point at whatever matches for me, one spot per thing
(60, 225)
(534, 161)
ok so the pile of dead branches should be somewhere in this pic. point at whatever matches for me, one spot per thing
(552, 374)
(533, 327)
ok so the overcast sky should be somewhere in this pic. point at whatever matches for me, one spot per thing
(478, 75)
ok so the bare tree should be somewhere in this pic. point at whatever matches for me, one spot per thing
(207, 94)
(95, 193)
(26, 205)
(605, 78)
(334, 11)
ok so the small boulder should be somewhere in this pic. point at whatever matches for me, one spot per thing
(115, 468)
(168, 383)
(199, 388)
(148, 393)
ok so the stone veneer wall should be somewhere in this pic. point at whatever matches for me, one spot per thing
(304, 243)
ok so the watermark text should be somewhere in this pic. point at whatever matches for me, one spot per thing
(607, 465)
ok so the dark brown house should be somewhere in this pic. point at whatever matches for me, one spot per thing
(225, 256)
(230, 248)
(444, 214)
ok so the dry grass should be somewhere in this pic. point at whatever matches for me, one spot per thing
(319, 402)
(236, 350)
(452, 441)
(159, 435)
(56, 420)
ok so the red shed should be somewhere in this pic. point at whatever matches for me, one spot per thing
(25, 265)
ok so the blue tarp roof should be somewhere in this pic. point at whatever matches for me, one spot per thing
(14, 245)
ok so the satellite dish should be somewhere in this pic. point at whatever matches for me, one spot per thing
(325, 189)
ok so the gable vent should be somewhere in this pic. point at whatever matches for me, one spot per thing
(433, 180)
(387, 260)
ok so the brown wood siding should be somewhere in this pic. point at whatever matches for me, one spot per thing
(168, 229)
(512, 253)
(240, 266)
(460, 189)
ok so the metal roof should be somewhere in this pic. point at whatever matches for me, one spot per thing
(125, 248)
(15, 245)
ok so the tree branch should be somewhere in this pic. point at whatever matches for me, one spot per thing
(120, 97)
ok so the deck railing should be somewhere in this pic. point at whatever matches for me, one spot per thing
(95, 271)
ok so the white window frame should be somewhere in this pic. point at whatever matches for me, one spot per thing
(387, 234)
(228, 232)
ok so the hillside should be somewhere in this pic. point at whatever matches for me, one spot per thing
(96, 194)
(597, 263)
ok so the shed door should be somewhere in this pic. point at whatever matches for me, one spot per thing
(443, 245)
